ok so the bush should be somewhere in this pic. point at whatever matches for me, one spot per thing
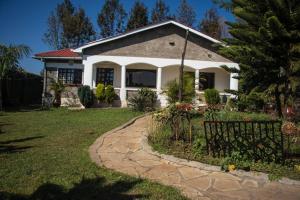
(230, 105)
(255, 102)
(188, 90)
(86, 96)
(212, 96)
(109, 94)
(100, 95)
(144, 100)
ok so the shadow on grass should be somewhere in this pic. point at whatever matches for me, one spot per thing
(87, 189)
(23, 108)
(9, 147)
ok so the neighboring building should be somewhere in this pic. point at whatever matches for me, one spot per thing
(146, 57)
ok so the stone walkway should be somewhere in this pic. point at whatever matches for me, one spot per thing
(126, 150)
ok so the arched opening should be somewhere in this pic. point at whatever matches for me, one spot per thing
(107, 73)
(140, 75)
(171, 72)
(214, 77)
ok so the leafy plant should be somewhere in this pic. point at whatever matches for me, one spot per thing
(100, 92)
(255, 102)
(188, 90)
(212, 96)
(85, 95)
(144, 100)
(57, 87)
(109, 94)
(238, 160)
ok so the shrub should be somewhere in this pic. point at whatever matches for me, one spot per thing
(255, 102)
(109, 94)
(100, 95)
(85, 95)
(230, 105)
(144, 100)
(212, 96)
(188, 90)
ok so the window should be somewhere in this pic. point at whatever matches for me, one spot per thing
(70, 76)
(105, 76)
(140, 78)
(207, 80)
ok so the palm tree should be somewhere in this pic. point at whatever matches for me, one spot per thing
(9, 59)
(57, 87)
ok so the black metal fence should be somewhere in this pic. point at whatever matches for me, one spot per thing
(259, 140)
(21, 91)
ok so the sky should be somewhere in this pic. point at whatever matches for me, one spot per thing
(25, 21)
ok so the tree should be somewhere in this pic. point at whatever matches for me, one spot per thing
(186, 14)
(138, 16)
(68, 27)
(9, 60)
(211, 24)
(53, 35)
(111, 18)
(265, 43)
(160, 12)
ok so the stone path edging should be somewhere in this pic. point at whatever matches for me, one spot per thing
(126, 149)
(214, 168)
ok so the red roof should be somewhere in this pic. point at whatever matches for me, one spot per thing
(59, 53)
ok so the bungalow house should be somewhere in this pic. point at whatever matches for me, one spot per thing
(145, 57)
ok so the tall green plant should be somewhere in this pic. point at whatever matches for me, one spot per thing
(172, 89)
(212, 96)
(265, 43)
(9, 60)
(100, 92)
(109, 94)
(57, 87)
(86, 96)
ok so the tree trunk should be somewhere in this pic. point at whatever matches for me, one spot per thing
(0, 94)
(180, 92)
(278, 102)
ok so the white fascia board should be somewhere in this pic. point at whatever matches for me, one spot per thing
(101, 41)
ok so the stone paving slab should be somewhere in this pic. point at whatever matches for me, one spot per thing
(125, 149)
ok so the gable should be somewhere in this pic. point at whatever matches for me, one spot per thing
(161, 42)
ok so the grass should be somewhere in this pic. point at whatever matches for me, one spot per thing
(44, 155)
(162, 142)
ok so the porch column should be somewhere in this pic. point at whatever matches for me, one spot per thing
(88, 74)
(123, 86)
(233, 82)
(158, 81)
(197, 72)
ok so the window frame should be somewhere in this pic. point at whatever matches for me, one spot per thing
(140, 70)
(106, 72)
(70, 76)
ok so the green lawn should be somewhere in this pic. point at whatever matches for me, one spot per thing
(44, 155)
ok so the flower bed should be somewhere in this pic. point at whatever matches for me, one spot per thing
(178, 130)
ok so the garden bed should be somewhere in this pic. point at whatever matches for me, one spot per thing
(163, 141)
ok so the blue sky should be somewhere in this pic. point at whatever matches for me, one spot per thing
(24, 21)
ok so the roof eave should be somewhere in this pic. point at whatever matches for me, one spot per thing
(62, 58)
